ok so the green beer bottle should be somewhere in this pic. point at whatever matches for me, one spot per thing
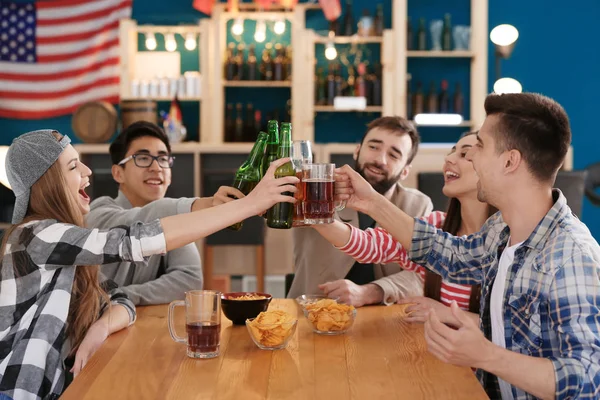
(272, 146)
(249, 174)
(281, 215)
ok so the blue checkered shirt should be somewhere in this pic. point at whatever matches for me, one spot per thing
(552, 296)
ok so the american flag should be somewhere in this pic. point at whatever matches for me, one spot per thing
(57, 55)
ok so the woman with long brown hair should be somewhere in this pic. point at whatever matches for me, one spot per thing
(53, 307)
(465, 215)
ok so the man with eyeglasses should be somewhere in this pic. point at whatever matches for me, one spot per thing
(142, 161)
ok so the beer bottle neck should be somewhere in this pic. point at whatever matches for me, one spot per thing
(256, 155)
(285, 149)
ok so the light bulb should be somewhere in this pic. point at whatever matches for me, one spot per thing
(260, 33)
(238, 27)
(507, 85)
(279, 27)
(170, 43)
(504, 35)
(190, 41)
(150, 41)
(330, 52)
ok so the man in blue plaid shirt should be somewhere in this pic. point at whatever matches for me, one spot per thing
(538, 265)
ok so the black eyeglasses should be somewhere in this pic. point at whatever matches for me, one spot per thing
(143, 160)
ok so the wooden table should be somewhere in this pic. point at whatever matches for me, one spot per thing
(381, 357)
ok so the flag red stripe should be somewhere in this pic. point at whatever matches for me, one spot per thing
(52, 95)
(77, 36)
(86, 52)
(59, 75)
(56, 112)
(59, 3)
(83, 17)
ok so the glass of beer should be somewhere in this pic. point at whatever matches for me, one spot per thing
(202, 323)
(319, 203)
(301, 155)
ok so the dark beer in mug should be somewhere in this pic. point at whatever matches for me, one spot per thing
(203, 337)
(318, 202)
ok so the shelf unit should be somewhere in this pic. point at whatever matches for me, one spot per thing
(394, 59)
(304, 113)
(128, 43)
(218, 84)
(478, 55)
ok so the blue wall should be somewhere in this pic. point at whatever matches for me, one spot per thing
(551, 57)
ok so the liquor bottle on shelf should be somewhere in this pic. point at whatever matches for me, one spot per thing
(375, 89)
(229, 123)
(432, 100)
(365, 24)
(272, 145)
(351, 82)
(278, 63)
(361, 83)
(253, 73)
(378, 21)
(409, 98)
(348, 24)
(459, 101)
(331, 84)
(288, 63)
(230, 66)
(422, 35)
(249, 132)
(335, 27)
(410, 40)
(281, 215)
(239, 63)
(418, 100)
(257, 121)
(267, 63)
(444, 102)
(321, 85)
(249, 174)
(339, 81)
(447, 34)
(238, 135)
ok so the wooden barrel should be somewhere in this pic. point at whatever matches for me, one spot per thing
(138, 110)
(95, 122)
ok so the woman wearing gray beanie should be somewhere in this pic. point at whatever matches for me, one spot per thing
(52, 305)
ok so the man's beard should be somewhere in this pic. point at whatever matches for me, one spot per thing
(382, 186)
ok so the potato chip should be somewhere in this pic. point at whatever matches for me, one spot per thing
(327, 315)
(272, 328)
(250, 296)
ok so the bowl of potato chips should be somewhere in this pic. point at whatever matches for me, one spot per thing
(328, 317)
(239, 306)
(309, 299)
(272, 330)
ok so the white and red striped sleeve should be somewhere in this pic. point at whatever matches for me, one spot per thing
(378, 246)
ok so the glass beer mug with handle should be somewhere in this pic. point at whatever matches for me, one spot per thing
(301, 155)
(202, 323)
(319, 204)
